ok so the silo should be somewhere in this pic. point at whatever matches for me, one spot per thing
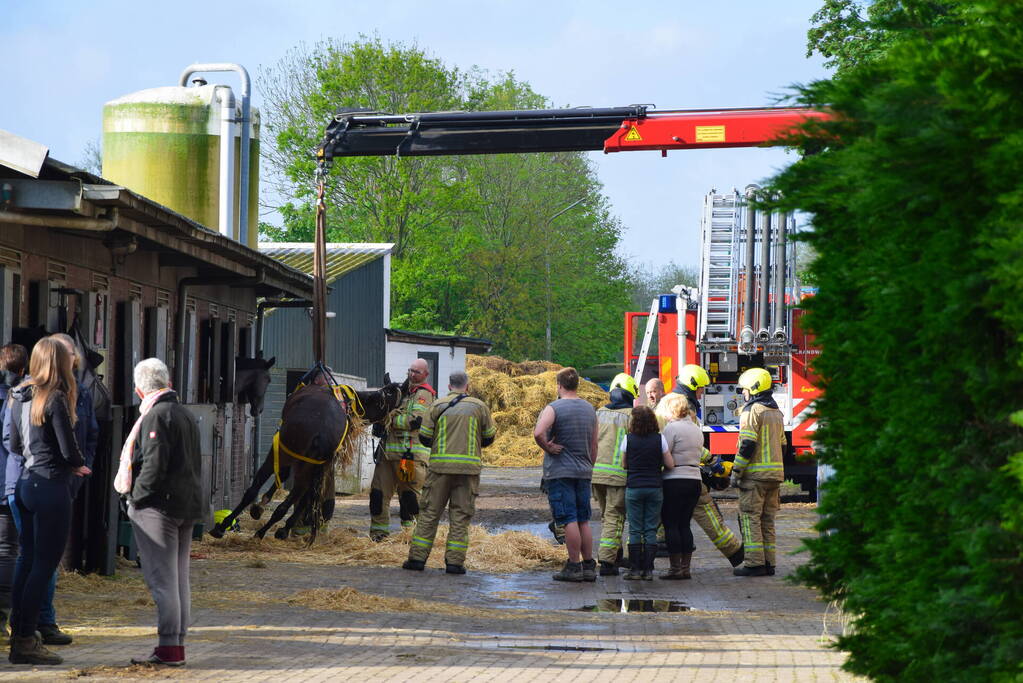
(165, 144)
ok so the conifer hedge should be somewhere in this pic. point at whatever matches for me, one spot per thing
(916, 197)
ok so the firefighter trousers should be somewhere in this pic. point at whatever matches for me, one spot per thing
(612, 520)
(457, 493)
(385, 484)
(758, 505)
(708, 516)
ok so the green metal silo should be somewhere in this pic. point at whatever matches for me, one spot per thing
(164, 143)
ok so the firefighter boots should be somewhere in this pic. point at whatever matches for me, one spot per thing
(608, 569)
(414, 565)
(637, 559)
(738, 556)
(759, 570)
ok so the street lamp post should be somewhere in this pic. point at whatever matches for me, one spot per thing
(547, 266)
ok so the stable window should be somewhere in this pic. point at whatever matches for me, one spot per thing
(432, 359)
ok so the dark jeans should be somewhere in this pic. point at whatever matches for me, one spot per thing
(47, 613)
(642, 510)
(8, 555)
(680, 498)
(45, 509)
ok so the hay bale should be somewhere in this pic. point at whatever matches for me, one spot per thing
(516, 393)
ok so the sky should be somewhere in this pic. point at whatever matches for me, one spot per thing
(66, 59)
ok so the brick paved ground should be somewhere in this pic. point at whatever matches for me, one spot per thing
(522, 627)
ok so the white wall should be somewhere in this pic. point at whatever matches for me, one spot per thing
(449, 359)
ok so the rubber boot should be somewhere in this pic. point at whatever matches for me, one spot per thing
(30, 650)
(687, 560)
(608, 569)
(674, 568)
(636, 560)
(648, 562)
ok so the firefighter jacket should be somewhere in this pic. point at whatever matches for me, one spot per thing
(612, 427)
(761, 439)
(401, 437)
(457, 427)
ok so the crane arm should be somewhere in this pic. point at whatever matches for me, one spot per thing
(612, 129)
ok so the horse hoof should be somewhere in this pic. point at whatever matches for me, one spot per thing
(281, 534)
(217, 532)
(259, 534)
(256, 511)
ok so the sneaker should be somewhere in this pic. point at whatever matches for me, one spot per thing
(414, 565)
(52, 635)
(572, 571)
(454, 569)
(589, 570)
(168, 655)
(759, 570)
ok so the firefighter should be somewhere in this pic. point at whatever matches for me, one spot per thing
(691, 382)
(457, 428)
(609, 476)
(758, 471)
(402, 467)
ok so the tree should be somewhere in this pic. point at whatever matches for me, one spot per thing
(914, 194)
(92, 157)
(649, 282)
(470, 233)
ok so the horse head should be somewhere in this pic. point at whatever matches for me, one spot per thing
(252, 377)
(379, 404)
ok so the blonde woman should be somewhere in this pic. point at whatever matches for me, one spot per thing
(682, 483)
(42, 431)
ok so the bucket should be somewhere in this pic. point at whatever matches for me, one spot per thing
(666, 304)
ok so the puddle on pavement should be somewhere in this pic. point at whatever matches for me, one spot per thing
(632, 606)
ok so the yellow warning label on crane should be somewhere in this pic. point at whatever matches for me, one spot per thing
(710, 133)
(633, 135)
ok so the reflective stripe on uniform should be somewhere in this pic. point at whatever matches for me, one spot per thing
(748, 434)
(609, 469)
(455, 457)
(422, 542)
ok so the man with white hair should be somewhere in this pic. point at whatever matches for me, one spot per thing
(160, 475)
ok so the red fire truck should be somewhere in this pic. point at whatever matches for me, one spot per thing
(743, 314)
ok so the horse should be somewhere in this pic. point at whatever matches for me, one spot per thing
(313, 426)
(251, 379)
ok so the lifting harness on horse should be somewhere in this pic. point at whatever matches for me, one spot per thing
(349, 400)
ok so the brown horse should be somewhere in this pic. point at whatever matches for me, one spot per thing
(313, 425)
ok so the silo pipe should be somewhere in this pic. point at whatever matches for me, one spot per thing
(765, 276)
(746, 334)
(227, 164)
(246, 134)
(780, 331)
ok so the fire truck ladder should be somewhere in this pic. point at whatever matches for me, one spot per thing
(648, 335)
(719, 279)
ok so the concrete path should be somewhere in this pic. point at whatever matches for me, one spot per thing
(482, 627)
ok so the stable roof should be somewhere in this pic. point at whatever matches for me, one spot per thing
(342, 257)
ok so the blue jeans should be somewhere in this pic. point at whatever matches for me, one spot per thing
(643, 510)
(47, 615)
(570, 500)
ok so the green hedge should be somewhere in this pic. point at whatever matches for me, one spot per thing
(916, 197)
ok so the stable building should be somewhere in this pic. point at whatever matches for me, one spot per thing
(133, 279)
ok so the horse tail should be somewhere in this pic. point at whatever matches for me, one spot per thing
(321, 485)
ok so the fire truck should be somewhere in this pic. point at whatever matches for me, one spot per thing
(739, 317)
(743, 314)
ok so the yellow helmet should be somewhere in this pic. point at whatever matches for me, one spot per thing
(755, 380)
(693, 376)
(625, 381)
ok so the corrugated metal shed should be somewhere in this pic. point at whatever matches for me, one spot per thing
(358, 275)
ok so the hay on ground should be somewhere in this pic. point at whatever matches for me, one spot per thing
(511, 551)
(516, 393)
